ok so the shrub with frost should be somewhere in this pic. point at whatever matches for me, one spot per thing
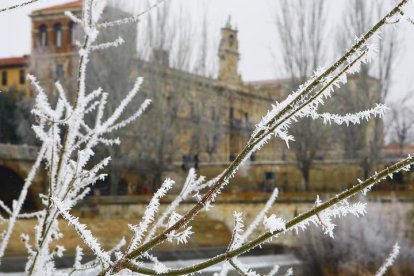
(360, 244)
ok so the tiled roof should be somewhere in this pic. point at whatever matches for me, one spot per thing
(394, 149)
(271, 82)
(67, 6)
(14, 61)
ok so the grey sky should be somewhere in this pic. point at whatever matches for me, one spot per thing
(256, 34)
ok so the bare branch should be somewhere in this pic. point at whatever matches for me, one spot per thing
(18, 5)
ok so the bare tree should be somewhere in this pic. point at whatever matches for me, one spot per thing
(372, 85)
(15, 118)
(114, 70)
(401, 123)
(23, 120)
(167, 48)
(301, 29)
(167, 52)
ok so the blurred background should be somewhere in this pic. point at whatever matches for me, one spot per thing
(213, 69)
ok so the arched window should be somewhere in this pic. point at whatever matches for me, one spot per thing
(43, 36)
(58, 35)
(72, 36)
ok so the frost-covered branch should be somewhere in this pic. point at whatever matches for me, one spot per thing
(130, 19)
(191, 186)
(83, 232)
(149, 214)
(239, 237)
(68, 144)
(305, 217)
(275, 122)
(17, 205)
(389, 261)
(18, 5)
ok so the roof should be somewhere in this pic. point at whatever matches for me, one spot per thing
(14, 61)
(271, 82)
(394, 149)
(75, 5)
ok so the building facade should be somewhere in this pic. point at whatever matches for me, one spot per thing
(13, 73)
(195, 121)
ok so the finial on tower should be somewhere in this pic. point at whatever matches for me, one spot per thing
(228, 23)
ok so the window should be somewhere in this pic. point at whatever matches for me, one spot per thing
(213, 114)
(4, 78)
(196, 162)
(59, 71)
(43, 36)
(72, 35)
(269, 176)
(231, 113)
(22, 77)
(231, 40)
(58, 35)
(253, 157)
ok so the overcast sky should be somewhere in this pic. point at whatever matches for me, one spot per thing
(256, 34)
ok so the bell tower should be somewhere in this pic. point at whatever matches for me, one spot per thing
(229, 54)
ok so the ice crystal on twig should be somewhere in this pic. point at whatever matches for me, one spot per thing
(273, 223)
(83, 232)
(389, 261)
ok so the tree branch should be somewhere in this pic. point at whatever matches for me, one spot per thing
(289, 225)
(260, 136)
(18, 5)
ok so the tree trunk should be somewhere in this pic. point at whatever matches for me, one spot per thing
(305, 179)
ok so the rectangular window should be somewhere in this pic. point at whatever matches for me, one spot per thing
(72, 33)
(269, 175)
(246, 117)
(22, 77)
(43, 36)
(59, 72)
(58, 35)
(4, 78)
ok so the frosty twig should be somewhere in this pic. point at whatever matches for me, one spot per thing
(68, 144)
(263, 133)
(18, 5)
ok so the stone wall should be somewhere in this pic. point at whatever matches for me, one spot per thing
(287, 206)
(19, 159)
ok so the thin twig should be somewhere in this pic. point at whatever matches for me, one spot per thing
(130, 19)
(262, 135)
(289, 225)
(18, 5)
(46, 228)
(237, 268)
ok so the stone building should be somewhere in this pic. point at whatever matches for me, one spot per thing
(53, 51)
(195, 121)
